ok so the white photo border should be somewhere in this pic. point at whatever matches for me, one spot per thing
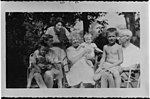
(84, 6)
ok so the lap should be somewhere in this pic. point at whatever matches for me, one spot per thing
(113, 69)
(101, 74)
(54, 73)
(116, 69)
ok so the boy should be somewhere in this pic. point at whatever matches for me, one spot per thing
(89, 45)
(38, 63)
(112, 57)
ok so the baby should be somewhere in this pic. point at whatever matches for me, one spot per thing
(89, 45)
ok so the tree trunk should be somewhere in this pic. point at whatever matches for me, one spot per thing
(85, 22)
(130, 21)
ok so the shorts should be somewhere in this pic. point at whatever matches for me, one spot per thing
(115, 71)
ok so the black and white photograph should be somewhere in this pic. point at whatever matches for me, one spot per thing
(58, 50)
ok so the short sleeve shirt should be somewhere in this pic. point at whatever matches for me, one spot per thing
(131, 56)
(37, 59)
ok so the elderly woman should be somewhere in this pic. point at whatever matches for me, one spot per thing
(80, 72)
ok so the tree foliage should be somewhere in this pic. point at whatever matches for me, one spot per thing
(133, 24)
(24, 29)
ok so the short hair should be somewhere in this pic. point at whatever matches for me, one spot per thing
(88, 35)
(59, 19)
(40, 44)
(111, 30)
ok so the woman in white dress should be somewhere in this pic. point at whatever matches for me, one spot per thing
(80, 72)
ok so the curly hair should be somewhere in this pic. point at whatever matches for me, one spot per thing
(59, 19)
(76, 35)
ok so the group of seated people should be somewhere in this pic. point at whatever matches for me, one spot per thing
(48, 61)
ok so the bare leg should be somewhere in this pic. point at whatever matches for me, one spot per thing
(39, 80)
(117, 77)
(59, 74)
(82, 85)
(104, 78)
(118, 81)
(111, 81)
(31, 75)
(60, 83)
(59, 80)
(48, 77)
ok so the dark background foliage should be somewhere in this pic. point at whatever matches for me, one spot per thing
(23, 30)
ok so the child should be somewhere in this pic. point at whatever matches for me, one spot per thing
(112, 57)
(38, 63)
(89, 45)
